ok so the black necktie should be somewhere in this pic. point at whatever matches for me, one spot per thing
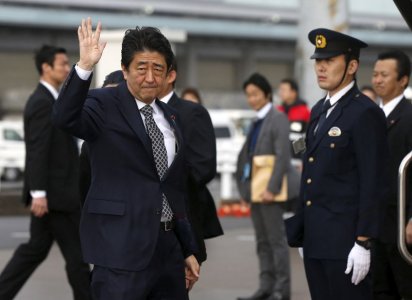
(322, 118)
(159, 153)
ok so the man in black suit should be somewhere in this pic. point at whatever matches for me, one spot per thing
(392, 275)
(134, 227)
(200, 161)
(50, 185)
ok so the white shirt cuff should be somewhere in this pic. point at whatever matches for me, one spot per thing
(82, 73)
(38, 194)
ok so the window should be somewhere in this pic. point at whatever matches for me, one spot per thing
(12, 135)
(222, 132)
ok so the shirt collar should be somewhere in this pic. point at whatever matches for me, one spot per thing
(167, 98)
(335, 98)
(141, 104)
(261, 113)
(390, 106)
(50, 88)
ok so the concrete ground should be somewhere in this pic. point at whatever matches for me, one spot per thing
(230, 271)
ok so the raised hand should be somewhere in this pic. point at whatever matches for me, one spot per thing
(91, 49)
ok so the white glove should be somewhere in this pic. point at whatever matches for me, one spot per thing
(360, 259)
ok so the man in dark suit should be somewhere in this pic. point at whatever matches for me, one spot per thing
(342, 181)
(391, 274)
(134, 227)
(200, 161)
(50, 185)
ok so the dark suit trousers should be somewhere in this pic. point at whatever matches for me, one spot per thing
(391, 274)
(59, 226)
(163, 279)
(327, 280)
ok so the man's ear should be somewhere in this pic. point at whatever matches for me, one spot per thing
(45, 67)
(353, 66)
(404, 81)
(171, 76)
(124, 70)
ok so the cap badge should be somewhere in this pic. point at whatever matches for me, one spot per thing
(320, 41)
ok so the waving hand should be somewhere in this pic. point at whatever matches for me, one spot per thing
(91, 49)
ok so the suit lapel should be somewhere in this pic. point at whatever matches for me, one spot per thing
(171, 118)
(44, 90)
(331, 119)
(315, 114)
(395, 115)
(174, 100)
(265, 125)
(130, 111)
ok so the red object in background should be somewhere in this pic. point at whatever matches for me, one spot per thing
(233, 210)
(224, 210)
(297, 112)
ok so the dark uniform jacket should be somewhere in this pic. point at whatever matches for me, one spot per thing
(343, 178)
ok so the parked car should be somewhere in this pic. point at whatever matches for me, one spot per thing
(231, 127)
(12, 150)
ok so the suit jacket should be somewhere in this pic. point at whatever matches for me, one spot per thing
(121, 216)
(399, 124)
(51, 155)
(273, 138)
(200, 162)
(343, 177)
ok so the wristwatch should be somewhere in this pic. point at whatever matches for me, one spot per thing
(367, 244)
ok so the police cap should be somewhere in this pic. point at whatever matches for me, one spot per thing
(329, 43)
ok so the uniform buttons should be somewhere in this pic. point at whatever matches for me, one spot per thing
(332, 145)
(311, 159)
(309, 181)
(308, 203)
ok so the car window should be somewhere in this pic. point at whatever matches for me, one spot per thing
(11, 135)
(222, 132)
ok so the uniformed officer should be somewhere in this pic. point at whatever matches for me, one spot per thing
(341, 183)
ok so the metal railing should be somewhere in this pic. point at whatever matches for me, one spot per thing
(401, 208)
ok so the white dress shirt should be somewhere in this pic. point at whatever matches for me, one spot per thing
(51, 89)
(390, 106)
(165, 128)
(335, 98)
(167, 98)
(261, 113)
